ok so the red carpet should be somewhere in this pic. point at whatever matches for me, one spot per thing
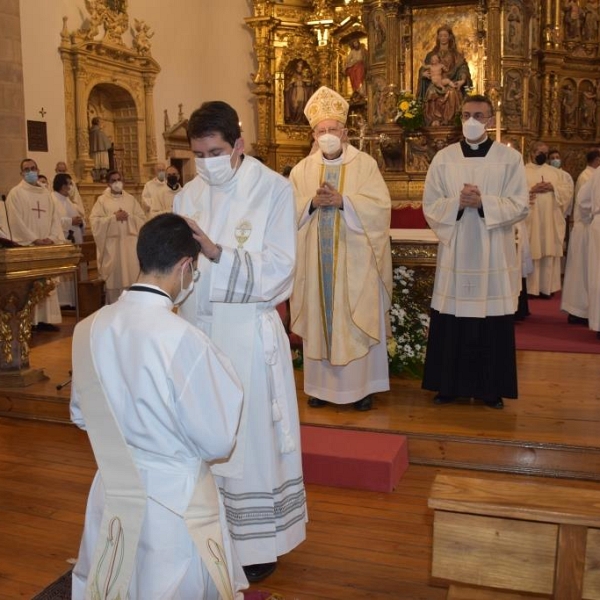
(353, 459)
(546, 329)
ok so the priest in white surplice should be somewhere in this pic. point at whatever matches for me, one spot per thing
(152, 187)
(162, 200)
(574, 298)
(159, 402)
(74, 195)
(475, 192)
(551, 190)
(72, 225)
(116, 219)
(343, 282)
(34, 220)
(245, 212)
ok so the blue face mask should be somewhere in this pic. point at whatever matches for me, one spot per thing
(556, 162)
(31, 177)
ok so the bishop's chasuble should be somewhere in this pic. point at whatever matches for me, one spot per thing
(343, 283)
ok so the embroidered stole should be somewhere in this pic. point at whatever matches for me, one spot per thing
(328, 236)
(125, 495)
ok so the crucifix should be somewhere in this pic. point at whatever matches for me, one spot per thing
(38, 209)
(42, 112)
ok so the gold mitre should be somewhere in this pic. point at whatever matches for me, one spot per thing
(326, 104)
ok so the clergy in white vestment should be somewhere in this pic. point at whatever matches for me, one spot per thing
(343, 283)
(72, 225)
(551, 190)
(245, 217)
(116, 219)
(152, 187)
(34, 220)
(588, 200)
(162, 200)
(160, 403)
(574, 298)
(475, 192)
(74, 195)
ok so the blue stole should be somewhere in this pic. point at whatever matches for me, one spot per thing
(328, 235)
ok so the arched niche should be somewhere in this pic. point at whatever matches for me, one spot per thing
(104, 75)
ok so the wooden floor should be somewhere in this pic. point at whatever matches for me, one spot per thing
(360, 544)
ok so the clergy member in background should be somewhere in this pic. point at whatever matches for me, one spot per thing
(343, 282)
(116, 219)
(34, 220)
(159, 402)
(245, 217)
(574, 299)
(551, 194)
(74, 195)
(588, 200)
(152, 187)
(162, 200)
(72, 225)
(475, 192)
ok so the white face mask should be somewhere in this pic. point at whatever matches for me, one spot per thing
(216, 170)
(185, 292)
(473, 129)
(161, 175)
(116, 187)
(556, 162)
(329, 143)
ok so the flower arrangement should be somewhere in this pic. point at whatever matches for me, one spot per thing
(410, 112)
(406, 347)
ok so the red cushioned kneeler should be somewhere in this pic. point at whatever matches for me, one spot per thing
(353, 459)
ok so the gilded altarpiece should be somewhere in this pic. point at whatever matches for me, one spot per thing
(536, 60)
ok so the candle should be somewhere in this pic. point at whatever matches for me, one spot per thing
(498, 124)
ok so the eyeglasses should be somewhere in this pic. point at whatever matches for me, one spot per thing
(478, 116)
(334, 130)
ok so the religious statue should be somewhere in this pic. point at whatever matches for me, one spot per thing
(591, 20)
(513, 95)
(355, 67)
(443, 79)
(589, 108)
(573, 19)
(141, 37)
(379, 36)
(513, 38)
(100, 144)
(299, 88)
(418, 155)
(568, 105)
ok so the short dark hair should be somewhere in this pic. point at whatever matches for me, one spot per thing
(553, 151)
(60, 179)
(591, 156)
(214, 117)
(163, 241)
(27, 160)
(478, 98)
(113, 172)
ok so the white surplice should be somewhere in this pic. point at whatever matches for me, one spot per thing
(151, 188)
(116, 241)
(234, 302)
(478, 273)
(574, 299)
(162, 200)
(589, 207)
(546, 225)
(32, 215)
(177, 402)
(67, 209)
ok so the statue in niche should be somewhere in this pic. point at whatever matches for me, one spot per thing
(356, 67)
(442, 100)
(589, 109)
(591, 20)
(513, 38)
(418, 154)
(572, 19)
(299, 88)
(100, 145)
(141, 37)
(568, 106)
(512, 96)
(379, 36)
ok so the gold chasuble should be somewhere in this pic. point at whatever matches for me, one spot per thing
(343, 259)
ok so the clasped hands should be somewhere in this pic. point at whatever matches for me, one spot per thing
(470, 196)
(327, 195)
(542, 187)
(121, 215)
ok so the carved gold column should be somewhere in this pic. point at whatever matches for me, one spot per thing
(263, 25)
(394, 37)
(151, 157)
(494, 44)
(83, 162)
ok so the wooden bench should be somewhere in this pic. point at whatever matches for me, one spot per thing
(507, 539)
(90, 288)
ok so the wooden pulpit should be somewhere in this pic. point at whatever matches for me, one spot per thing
(25, 279)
